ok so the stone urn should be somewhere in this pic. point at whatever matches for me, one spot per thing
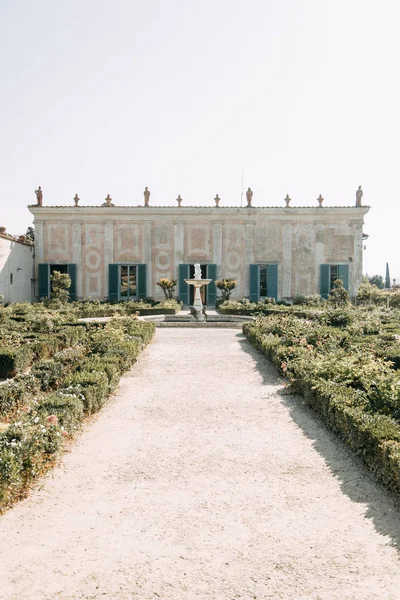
(216, 200)
(320, 200)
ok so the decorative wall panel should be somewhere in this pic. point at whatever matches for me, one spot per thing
(93, 260)
(197, 238)
(163, 253)
(129, 243)
(58, 242)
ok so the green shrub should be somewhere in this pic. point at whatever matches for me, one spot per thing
(307, 300)
(60, 284)
(339, 296)
(49, 373)
(110, 365)
(391, 353)
(356, 392)
(93, 386)
(15, 394)
(67, 407)
(26, 447)
(14, 360)
(337, 317)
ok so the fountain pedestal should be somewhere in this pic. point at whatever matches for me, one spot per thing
(197, 304)
(198, 282)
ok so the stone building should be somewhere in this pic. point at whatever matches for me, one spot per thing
(120, 252)
(16, 269)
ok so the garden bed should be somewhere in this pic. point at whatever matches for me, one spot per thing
(346, 373)
(74, 370)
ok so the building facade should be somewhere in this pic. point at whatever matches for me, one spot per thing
(117, 252)
(16, 270)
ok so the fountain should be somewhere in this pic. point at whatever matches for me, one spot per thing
(197, 282)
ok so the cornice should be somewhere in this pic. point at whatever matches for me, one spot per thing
(144, 213)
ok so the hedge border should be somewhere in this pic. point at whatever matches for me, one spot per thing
(29, 446)
(360, 430)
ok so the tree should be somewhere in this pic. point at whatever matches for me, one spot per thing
(377, 280)
(30, 234)
(387, 279)
(60, 284)
(226, 286)
(167, 284)
(339, 296)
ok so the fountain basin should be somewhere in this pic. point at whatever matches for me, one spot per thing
(198, 282)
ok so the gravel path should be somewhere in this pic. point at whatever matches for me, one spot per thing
(201, 480)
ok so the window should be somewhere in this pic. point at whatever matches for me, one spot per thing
(329, 273)
(45, 270)
(263, 282)
(334, 274)
(11, 278)
(127, 282)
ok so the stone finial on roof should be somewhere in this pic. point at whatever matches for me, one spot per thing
(108, 201)
(146, 195)
(287, 200)
(179, 200)
(320, 200)
(216, 200)
(76, 199)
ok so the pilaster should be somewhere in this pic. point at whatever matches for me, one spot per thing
(77, 255)
(217, 247)
(179, 246)
(286, 274)
(108, 252)
(147, 256)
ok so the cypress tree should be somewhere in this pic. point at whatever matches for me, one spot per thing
(387, 279)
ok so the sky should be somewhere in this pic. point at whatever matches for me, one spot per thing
(107, 97)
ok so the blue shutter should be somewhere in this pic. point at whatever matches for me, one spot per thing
(113, 283)
(71, 270)
(211, 290)
(184, 273)
(272, 281)
(254, 283)
(44, 281)
(325, 281)
(343, 271)
(141, 281)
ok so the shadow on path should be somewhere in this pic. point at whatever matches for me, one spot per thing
(382, 506)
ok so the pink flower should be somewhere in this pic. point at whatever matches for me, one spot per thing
(51, 420)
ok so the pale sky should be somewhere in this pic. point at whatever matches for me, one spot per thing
(103, 97)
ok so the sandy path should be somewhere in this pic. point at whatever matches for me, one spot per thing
(231, 491)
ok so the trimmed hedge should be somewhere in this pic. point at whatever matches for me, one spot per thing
(14, 360)
(84, 375)
(15, 394)
(91, 386)
(355, 394)
(26, 449)
(68, 408)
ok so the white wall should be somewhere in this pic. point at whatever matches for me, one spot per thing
(15, 256)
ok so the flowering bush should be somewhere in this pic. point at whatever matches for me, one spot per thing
(226, 286)
(168, 285)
